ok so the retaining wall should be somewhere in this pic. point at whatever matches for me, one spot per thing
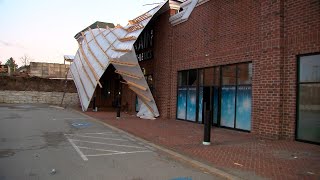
(38, 97)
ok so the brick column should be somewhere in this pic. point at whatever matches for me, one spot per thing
(268, 71)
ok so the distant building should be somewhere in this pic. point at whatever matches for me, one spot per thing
(49, 70)
(4, 70)
(23, 69)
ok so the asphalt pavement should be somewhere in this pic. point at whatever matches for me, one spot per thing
(49, 142)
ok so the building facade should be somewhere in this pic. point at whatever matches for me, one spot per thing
(254, 63)
(49, 70)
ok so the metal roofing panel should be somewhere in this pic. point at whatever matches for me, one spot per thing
(100, 47)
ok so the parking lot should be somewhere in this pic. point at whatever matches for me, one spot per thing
(104, 144)
(46, 142)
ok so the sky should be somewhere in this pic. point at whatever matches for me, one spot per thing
(43, 30)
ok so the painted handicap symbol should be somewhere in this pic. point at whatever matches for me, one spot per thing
(79, 125)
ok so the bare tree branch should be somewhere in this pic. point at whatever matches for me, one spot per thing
(25, 59)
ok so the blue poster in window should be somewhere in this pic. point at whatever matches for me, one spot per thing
(191, 104)
(200, 104)
(243, 115)
(215, 104)
(182, 103)
(228, 106)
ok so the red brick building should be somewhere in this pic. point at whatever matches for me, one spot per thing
(255, 63)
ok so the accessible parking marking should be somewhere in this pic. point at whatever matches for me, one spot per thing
(96, 137)
(78, 150)
(108, 149)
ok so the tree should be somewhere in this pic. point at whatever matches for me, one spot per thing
(25, 60)
(12, 64)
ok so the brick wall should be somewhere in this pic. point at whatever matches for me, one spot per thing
(269, 33)
(163, 76)
(301, 36)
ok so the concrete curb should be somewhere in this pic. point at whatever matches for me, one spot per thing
(176, 155)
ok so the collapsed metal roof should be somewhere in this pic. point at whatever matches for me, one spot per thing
(100, 47)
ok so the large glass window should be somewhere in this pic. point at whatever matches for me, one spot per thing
(244, 73)
(308, 122)
(187, 95)
(209, 92)
(228, 95)
(229, 75)
(192, 78)
(226, 91)
(182, 78)
(236, 96)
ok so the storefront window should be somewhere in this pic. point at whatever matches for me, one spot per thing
(244, 73)
(208, 92)
(192, 78)
(228, 101)
(228, 94)
(182, 78)
(236, 96)
(216, 77)
(308, 121)
(187, 95)
(182, 103)
(229, 75)
(191, 103)
(243, 109)
(208, 76)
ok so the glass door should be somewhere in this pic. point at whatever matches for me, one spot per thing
(236, 96)
(209, 92)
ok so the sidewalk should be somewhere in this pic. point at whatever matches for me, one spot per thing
(237, 153)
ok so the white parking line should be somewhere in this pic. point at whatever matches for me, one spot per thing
(109, 144)
(92, 155)
(78, 150)
(96, 137)
(54, 119)
(100, 133)
(75, 118)
(82, 147)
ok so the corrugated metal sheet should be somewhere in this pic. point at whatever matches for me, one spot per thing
(103, 46)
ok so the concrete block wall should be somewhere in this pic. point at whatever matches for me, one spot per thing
(36, 97)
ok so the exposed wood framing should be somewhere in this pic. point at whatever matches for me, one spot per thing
(140, 94)
(84, 89)
(112, 31)
(111, 44)
(140, 18)
(95, 40)
(94, 56)
(135, 27)
(100, 32)
(90, 66)
(104, 36)
(135, 85)
(130, 38)
(80, 59)
(128, 74)
(122, 50)
(148, 106)
(122, 63)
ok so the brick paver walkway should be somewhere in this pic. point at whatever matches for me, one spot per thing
(237, 153)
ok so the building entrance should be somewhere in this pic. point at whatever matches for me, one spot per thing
(109, 95)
